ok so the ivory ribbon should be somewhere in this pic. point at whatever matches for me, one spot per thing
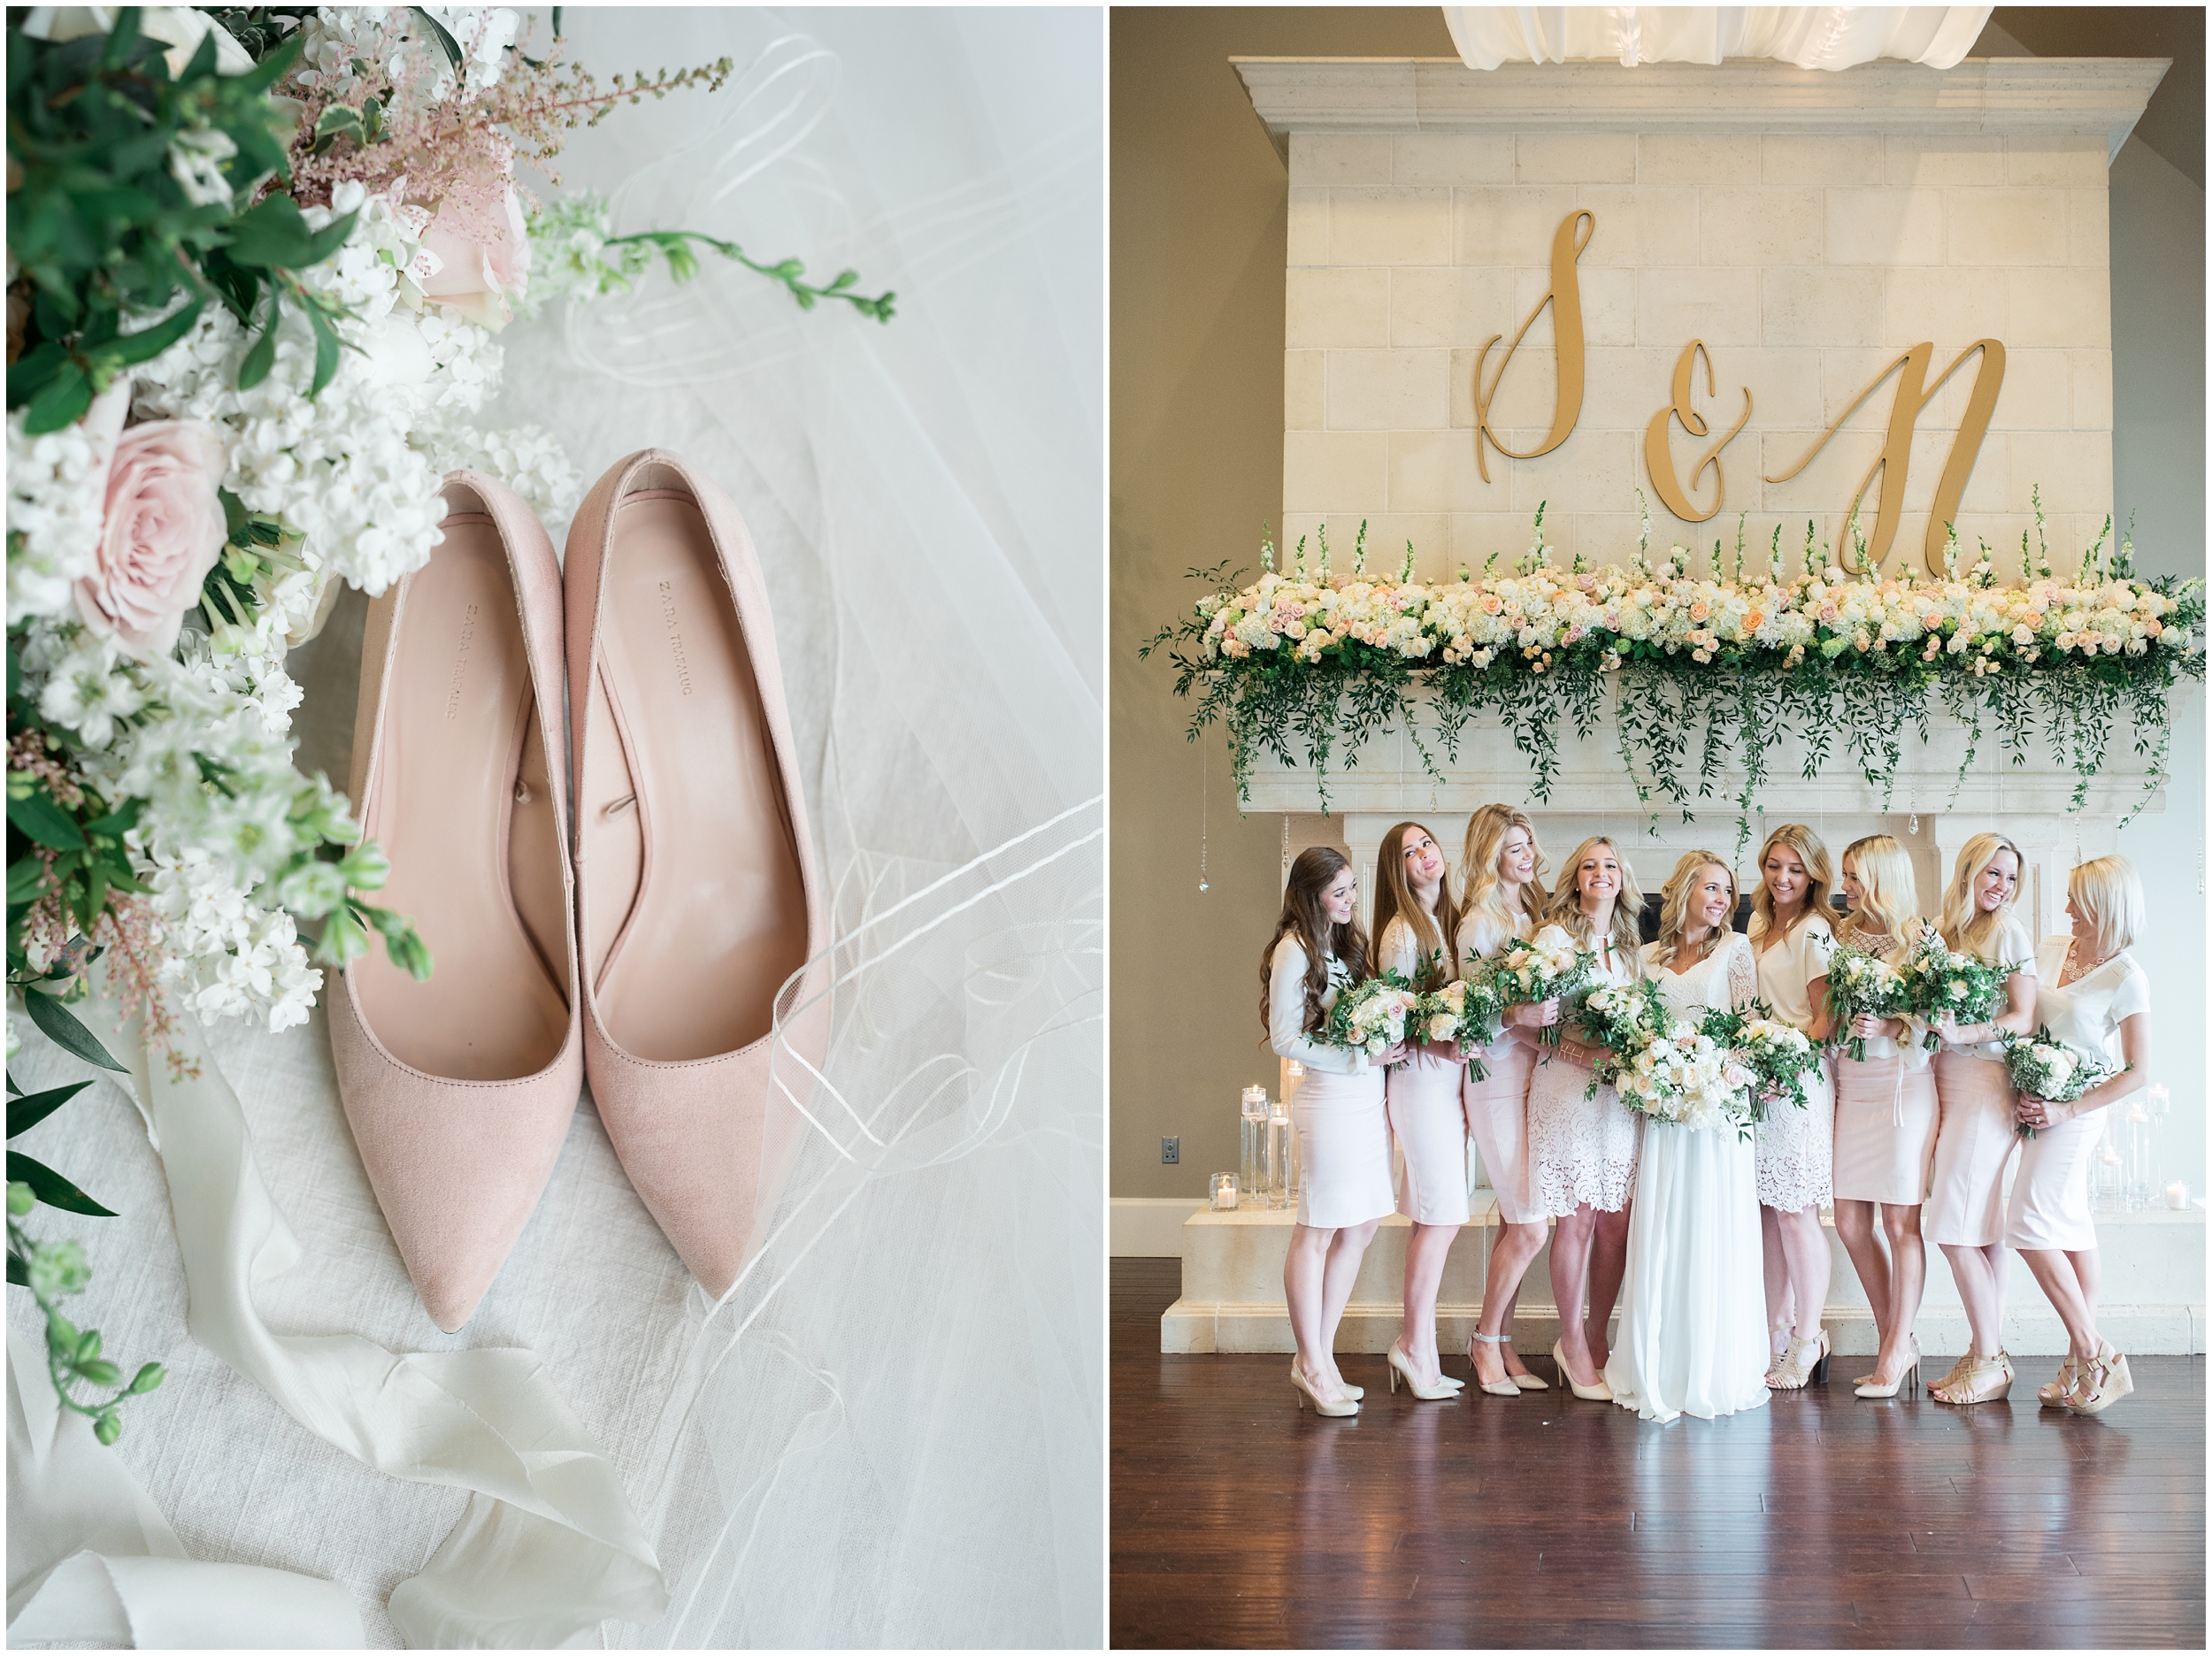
(91, 1559)
(549, 1546)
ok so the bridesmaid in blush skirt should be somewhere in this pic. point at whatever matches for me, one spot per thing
(1978, 1135)
(1415, 920)
(1503, 873)
(1317, 951)
(1885, 1119)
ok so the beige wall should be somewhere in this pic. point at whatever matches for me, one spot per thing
(1198, 248)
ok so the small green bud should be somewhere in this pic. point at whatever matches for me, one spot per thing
(102, 1373)
(151, 1375)
(20, 1200)
(107, 1428)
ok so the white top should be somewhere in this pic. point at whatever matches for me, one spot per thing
(1287, 1013)
(1786, 971)
(1401, 953)
(2088, 1012)
(2008, 943)
(1725, 978)
(1479, 937)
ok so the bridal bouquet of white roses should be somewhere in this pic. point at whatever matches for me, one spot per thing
(1549, 966)
(1373, 1016)
(2045, 1067)
(1777, 1054)
(1862, 984)
(1466, 1013)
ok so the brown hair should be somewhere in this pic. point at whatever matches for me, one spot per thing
(1394, 900)
(1304, 919)
(1818, 878)
(1674, 900)
(1486, 830)
(1565, 909)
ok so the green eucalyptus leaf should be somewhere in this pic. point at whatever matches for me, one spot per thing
(145, 346)
(18, 1276)
(51, 1188)
(262, 357)
(61, 404)
(61, 1026)
(271, 235)
(452, 46)
(329, 239)
(38, 817)
(26, 878)
(26, 1113)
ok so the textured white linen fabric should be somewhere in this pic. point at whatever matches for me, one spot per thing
(1811, 37)
(893, 1432)
(1692, 1334)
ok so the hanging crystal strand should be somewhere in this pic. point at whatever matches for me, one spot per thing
(1205, 767)
(1286, 848)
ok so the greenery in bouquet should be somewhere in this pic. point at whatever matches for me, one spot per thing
(1373, 1016)
(1619, 1020)
(1776, 1054)
(2057, 1071)
(1549, 966)
(1666, 1068)
(1466, 1015)
(1942, 983)
(1861, 984)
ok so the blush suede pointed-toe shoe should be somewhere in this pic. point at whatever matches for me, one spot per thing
(698, 895)
(460, 1089)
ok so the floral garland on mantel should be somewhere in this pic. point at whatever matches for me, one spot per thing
(1698, 667)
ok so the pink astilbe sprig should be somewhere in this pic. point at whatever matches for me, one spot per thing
(30, 753)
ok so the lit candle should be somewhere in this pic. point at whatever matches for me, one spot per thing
(1255, 1100)
(2176, 1195)
(1225, 1192)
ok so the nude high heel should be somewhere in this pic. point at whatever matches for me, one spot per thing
(1525, 1382)
(459, 1090)
(2052, 1394)
(1336, 1408)
(1343, 1385)
(2103, 1382)
(1985, 1380)
(1495, 1388)
(1805, 1362)
(1598, 1393)
(1400, 1370)
(701, 916)
(1870, 1388)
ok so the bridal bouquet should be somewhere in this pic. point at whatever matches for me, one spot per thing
(1466, 1013)
(2045, 1067)
(1942, 982)
(1777, 1054)
(1683, 1077)
(1862, 984)
(1549, 966)
(1620, 1021)
(1371, 1017)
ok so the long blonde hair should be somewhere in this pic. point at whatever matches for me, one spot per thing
(1818, 878)
(2110, 898)
(1674, 900)
(1486, 830)
(1394, 900)
(1965, 927)
(1304, 919)
(1893, 894)
(1565, 909)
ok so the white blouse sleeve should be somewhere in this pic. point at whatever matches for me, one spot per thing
(2014, 946)
(1743, 972)
(1287, 1017)
(2132, 996)
(1398, 952)
(1818, 946)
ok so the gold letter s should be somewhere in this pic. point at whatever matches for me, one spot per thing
(1565, 299)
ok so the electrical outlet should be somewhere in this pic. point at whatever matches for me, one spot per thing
(1171, 1151)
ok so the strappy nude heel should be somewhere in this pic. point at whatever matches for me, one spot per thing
(1986, 1380)
(2103, 1382)
(1495, 1388)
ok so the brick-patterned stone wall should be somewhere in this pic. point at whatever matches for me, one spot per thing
(1805, 262)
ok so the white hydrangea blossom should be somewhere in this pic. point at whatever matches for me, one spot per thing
(56, 484)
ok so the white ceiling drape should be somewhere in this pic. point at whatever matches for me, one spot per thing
(1811, 37)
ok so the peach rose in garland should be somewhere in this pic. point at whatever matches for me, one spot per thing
(161, 530)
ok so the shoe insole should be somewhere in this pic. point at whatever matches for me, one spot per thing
(695, 910)
(460, 804)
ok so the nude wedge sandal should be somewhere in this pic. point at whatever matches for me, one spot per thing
(460, 1090)
(699, 905)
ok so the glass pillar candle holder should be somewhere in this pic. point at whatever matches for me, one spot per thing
(2135, 1152)
(1252, 1142)
(1294, 1174)
(1225, 1192)
(2107, 1181)
(1280, 1139)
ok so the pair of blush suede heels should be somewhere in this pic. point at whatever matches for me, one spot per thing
(660, 950)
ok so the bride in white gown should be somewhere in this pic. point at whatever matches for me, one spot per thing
(1693, 1331)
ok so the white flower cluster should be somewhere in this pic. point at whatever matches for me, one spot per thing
(1530, 615)
(337, 38)
(56, 486)
(1683, 1077)
(569, 255)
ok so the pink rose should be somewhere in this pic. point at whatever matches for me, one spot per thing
(483, 258)
(162, 529)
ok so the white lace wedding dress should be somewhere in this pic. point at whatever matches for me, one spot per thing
(1693, 1329)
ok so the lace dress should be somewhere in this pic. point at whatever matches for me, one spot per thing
(1692, 1331)
(1580, 1149)
(1797, 1147)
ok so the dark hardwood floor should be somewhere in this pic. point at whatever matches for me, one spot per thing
(1541, 1521)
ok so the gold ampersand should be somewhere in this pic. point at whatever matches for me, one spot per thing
(1660, 464)
(1912, 397)
(1564, 297)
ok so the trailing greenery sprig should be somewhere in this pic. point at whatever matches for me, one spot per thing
(683, 265)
